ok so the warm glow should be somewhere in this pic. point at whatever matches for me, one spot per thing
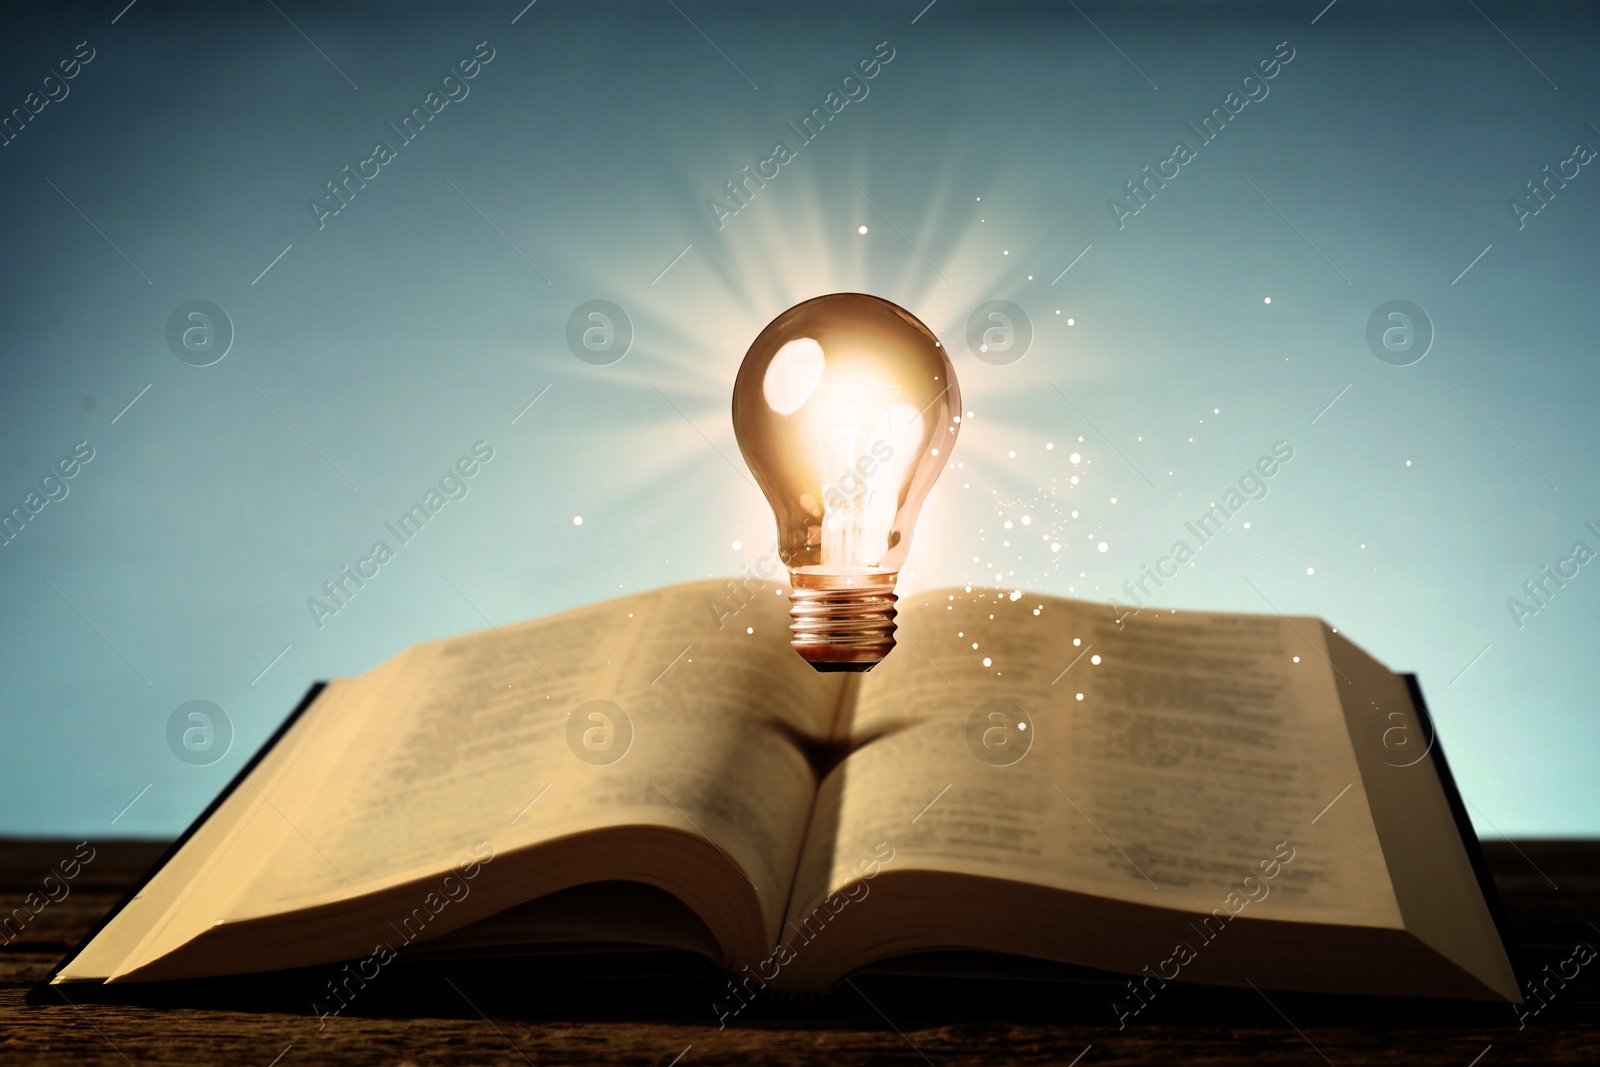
(792, 376)
(852, 393)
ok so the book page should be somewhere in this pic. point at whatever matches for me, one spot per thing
(1169, 758)
(495, 737)
(1435, 883)
(239, 836)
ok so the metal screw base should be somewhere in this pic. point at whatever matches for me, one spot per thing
(842, 622)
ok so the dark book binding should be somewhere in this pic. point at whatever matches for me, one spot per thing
(41, 993)
(1469, 838)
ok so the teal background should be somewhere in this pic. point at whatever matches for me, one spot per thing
(411, 326)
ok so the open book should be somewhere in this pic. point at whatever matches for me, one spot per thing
(1027, 781)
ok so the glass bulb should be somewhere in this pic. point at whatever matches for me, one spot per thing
(846, 408)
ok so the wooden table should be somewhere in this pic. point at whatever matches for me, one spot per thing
(489, 1015)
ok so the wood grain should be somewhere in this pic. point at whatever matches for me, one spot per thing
(502, 1015)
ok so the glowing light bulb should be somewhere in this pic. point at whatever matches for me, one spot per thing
(839, 408)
